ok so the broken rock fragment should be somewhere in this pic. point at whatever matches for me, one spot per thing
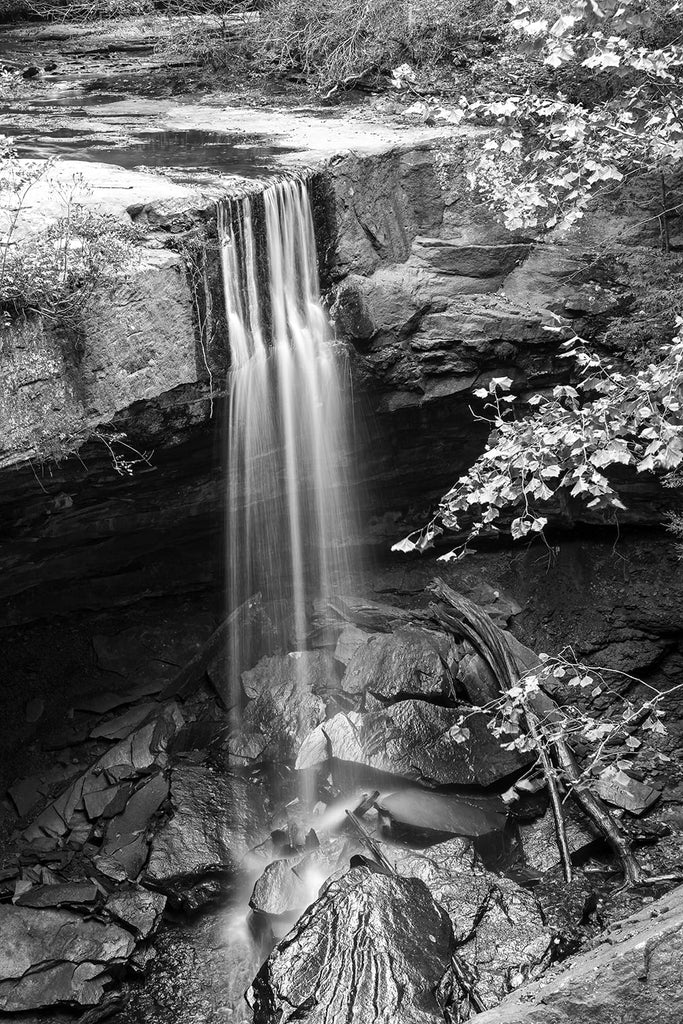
(53, 956)
(373, 947)
(216, 821)
(416, 740)
(285, 705)
(538, 839)
(618, 788)
(409, 662)
(138, 908)
(499, 926)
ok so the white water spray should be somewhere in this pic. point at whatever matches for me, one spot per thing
(288, 508)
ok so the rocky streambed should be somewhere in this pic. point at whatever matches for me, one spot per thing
(326, 849)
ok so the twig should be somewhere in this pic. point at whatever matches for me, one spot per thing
(370, 841)
(473, 623)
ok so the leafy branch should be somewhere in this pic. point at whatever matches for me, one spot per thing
(563, 446)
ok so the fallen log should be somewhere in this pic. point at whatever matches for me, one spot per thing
(464, 618)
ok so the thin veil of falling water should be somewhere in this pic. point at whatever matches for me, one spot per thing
(289, 501)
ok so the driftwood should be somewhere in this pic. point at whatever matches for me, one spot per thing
(461, 616)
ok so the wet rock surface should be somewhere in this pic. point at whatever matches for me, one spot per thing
(499, 927)
(409, 662)
(373, 947)
(150, 828)
(53, 956)
(285, 702)
(415, 740)
(634, 975)
(216, 820)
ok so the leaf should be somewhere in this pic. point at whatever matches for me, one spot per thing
(519, 528)
(502, 383)
(404, 545)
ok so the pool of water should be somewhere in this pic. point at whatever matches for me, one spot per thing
(190, 149)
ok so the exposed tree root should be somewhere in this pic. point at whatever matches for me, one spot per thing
(462, 617)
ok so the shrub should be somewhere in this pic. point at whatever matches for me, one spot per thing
(331, 41)
(55, 272)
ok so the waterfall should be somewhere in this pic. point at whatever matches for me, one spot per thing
(288, 502)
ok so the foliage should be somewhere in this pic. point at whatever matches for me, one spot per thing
(608, 738)
(335, 41)
(547, 157)
(88, 10)
(566, 446)
(210, 32)
(55, 272)
(550, 154)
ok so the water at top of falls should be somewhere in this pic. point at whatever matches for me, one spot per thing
(289, 507)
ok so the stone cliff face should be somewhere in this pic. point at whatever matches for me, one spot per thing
(431, 296)
(434, 298)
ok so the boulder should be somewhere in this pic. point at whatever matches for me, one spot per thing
(409, 662)
(633, 976)
(311, 671)
(499, 926)
(216, 820)
(290, 885)
(137, 908)
(415, 740)
(285, 705)
(53, 956)
(373, 947)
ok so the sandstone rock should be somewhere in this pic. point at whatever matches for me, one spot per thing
(632, 976)
(372, 947)
(216, 820)
(289, 885)
(408, 662)
(200, 973)
(618, 788)
(499, 926)
(279, 890)
(539, 841)
(416, 740)
(350, 639)
(285, 705)
(53, 956)
(451, 257)
(312, 671)
(138, 908)
(133, 756)
(124, 848)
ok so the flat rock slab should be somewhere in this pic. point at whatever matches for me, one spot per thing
(137, 908)
(425, 811)
(53, 956)
(415, 740)
(633, 977)
(408, 662)
(216, 820)
(373, 947)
